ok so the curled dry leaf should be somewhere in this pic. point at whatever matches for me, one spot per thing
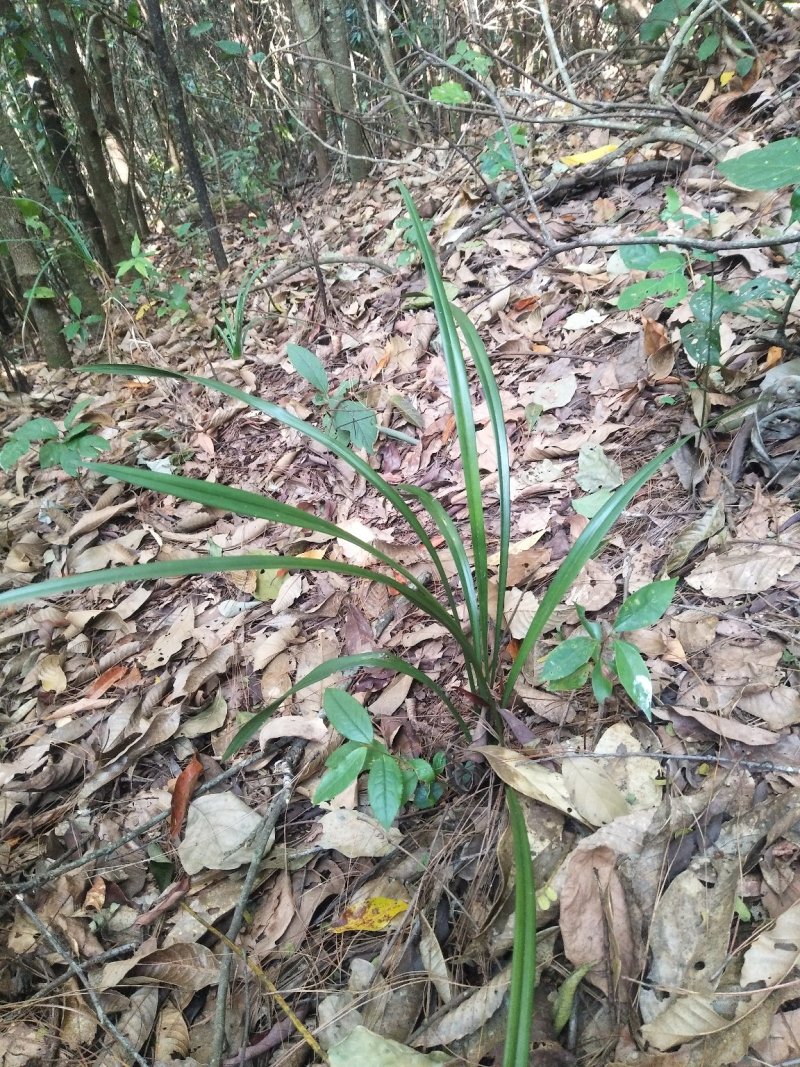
(740, 570)
(354, 833)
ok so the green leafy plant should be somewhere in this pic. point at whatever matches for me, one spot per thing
(235, 324)
(666, 13)
(464, 581)
(139, 261)
(68, 448)
(391, 781)
(469, 59)
(605, 656)
(498, 157)
(450, 93)
(674, 272)
(78, 329)
(345, 419)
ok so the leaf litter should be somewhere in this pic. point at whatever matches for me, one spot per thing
(665, 854)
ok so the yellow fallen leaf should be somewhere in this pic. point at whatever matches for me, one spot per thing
(588, 157)
(726, 76)
(372, 915)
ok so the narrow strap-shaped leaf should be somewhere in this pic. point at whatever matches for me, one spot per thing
(284, 417)
(177, 568)
(578, 556)
(462, 409)
(523, 959)
(253, 505)
(498, 424)
(381, 660)
(461, 560)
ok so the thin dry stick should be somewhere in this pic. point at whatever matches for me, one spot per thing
(552, 47)
(260, 844)
(79, 973)
(114, 846)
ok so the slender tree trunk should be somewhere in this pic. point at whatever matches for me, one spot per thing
(358, 152)
(27, 269)
(70, 261)
(119, 143)
(175, 95)
(66, 173)
(71, 69)
(403, 116)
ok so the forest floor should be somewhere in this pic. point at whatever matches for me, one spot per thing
(668, 887)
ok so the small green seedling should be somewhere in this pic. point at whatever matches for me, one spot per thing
(78, 329)
(68, 449)
(607, 658)
(235, 324)
(139, 262)
(392, 781)
(345, 419)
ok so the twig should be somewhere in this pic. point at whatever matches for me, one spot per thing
(657, 81)
(113, 846)
(79, 973)
(92, 963)
(552, 46)
(260, 844)
(764, 766)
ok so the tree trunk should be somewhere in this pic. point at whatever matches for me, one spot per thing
(68, 63)
(118, 140)
(358, 162)
(70, 260)
(194, 170)
(27, 269)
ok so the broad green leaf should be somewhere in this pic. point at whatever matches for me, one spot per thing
(355, 419)
(590, 505)
(567, 657)
(450, 93)
(636, 294)
(772, 167)
(347, 716)
(601, 684)
(645, 606)
(422, 769)
(21, 440)
(794, 204)
(385, 789)
(702, 343)
(639, 257)
(338, 778)
(744, 66)
(232, 48)
(708, 47)
(576, 680)
(633, 675)
(309, 367)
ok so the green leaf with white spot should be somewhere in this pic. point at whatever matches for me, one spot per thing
(645, 606)
(634, 676)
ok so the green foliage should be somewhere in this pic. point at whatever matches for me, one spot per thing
(139, 262)
(666, 14)
(450, 93)
(392, 781)
(69, 448)
(771, 167)
(467, 58)
(78, 329)
(605, 656)
(235, 324)
(759, 298)
(345, 419)
(460, 577)
(498, 156)
(407, 230)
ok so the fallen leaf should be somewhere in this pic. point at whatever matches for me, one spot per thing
(219, 833)
(185, 786)
(372, 915)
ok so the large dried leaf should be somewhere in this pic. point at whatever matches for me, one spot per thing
(219, 834)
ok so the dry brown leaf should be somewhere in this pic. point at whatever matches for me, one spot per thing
(741, 570)
(354, 834)
(219, 833)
